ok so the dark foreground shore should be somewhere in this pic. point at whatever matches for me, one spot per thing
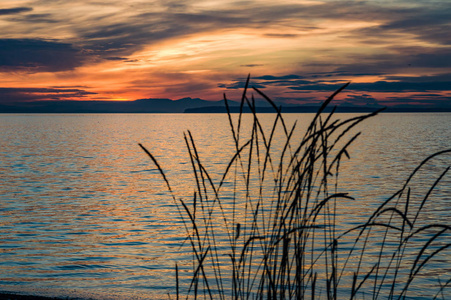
(12, 296)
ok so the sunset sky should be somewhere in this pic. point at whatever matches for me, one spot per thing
(394, 52)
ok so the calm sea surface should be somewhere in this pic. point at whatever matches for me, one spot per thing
(83, 210)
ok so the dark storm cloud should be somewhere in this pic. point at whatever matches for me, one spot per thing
(393, 84)
(278, 78)
(240, 84)
(33, 55)
(380, 86)
(419, 100)
(116, 58)
(363, 99)
(15, 95)
(397, 60)
(305, 100)
(445, 77)
(269, 80)
(13, 11)
(406, 84)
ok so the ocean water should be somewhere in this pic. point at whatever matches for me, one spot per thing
(85, 212)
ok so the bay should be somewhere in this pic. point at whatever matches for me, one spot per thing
(84, 211)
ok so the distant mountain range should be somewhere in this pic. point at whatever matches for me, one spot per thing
(137, 106)
(185, 105)
(314, 109)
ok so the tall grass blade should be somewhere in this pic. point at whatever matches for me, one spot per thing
(269, 226)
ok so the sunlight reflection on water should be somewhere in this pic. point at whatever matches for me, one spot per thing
(82, 207)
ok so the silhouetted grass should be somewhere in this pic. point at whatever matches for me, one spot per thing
(269, 227)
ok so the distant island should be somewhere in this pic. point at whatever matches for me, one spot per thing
(314, 109)
(185, 105)
(137, 106)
